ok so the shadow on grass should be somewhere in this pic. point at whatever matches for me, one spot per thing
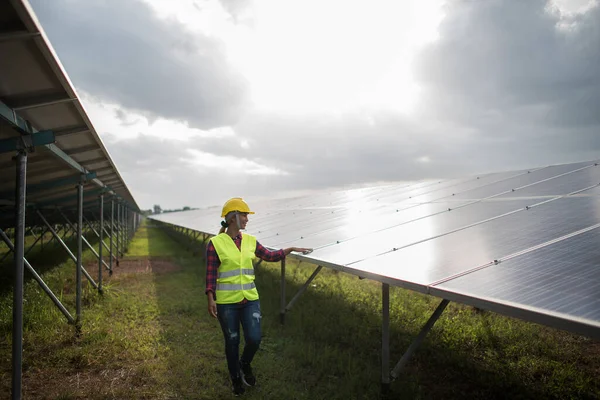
(330, 347)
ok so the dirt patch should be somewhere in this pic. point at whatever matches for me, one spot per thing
(86, 384)
(141, 265)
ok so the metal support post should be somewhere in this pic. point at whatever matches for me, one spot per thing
(112, 231)
(100, 246)
(79, 253)
(127, 227)
(282, 310)
(119, 236)
(415, 344)
(17, 333)
(96, 232)
(64, 246)
(385, 338)
(302, 289)
(124, 228)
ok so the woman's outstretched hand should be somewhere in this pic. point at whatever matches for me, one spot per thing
(298, 250)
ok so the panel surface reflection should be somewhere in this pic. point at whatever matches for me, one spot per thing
(439, 258)
(563, 277)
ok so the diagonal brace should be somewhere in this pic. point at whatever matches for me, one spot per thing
(84, 239)
(39, 280)
(302, 289)
(419, 339)
(69, 252)
(98, 235)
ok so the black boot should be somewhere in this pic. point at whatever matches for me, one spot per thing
(238, 387)
(247, 375)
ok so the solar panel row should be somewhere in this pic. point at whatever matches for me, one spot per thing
(446, 237)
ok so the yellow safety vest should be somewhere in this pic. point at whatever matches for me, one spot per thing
(235, 275)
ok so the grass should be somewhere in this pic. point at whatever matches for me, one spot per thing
(150, 337)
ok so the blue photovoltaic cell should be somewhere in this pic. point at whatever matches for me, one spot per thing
(563, 277)
(436, 259)
(562, 185)
(365, 246)
(522, 180)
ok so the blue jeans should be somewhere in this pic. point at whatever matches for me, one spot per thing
(230, 316)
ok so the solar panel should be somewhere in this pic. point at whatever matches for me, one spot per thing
(432, 260)
(561, 185)
(563, 277)
(524, 179)
(349, 243)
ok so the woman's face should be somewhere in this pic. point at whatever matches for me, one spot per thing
(243, 220)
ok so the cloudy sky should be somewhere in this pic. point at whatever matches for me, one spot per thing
(201, 100)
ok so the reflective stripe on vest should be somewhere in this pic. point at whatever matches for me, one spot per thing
(235, 272)
(235, 275)
(235, 286)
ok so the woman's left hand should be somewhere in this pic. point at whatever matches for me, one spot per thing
(302, 250)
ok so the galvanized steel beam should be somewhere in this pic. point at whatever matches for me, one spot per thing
(72, 130)
(100, 245)
(18, 36)
(26, 102)
(17, 333)
(47, 185)
(26, 142)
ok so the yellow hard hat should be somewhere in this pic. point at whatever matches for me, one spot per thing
(235, 204)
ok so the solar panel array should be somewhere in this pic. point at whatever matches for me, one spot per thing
(524, 243)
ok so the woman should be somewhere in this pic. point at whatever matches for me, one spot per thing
(232, 295)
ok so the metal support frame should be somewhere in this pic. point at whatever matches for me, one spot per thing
(36, 240)
(26, 142)
(386, 375)
(64, 246)
(39, 280)
(415, 344)
(85, 241)
(302, 289)
(103, 228)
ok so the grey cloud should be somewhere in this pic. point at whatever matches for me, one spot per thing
(240, 11)
(122, 53)
(509, 57)
(501, 89)
(165, 175)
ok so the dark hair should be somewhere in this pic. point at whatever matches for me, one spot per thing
(223, 226)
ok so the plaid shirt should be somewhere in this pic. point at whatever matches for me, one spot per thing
(213, 262)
